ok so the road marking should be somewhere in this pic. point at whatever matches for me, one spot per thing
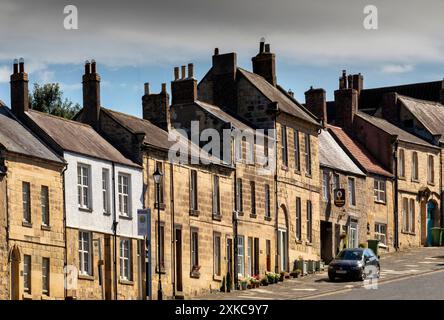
(304, 289)
(341, 291)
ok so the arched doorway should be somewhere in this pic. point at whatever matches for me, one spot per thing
(282, 240)
(15, 259)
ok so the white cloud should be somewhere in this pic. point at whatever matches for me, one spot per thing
(393, 68)
(4, 74)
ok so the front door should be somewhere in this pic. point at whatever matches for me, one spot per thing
(283, 250)
(178, 249)
(229, 264)
(430, 219)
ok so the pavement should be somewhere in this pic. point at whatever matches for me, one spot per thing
(404, 268)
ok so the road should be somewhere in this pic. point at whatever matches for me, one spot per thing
(410, 274)
(428, 286)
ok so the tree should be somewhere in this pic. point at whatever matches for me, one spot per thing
(49, 98)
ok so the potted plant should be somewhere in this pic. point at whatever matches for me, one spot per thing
(287, 275)
(270, 277)
(243, 284)
(264, 281)
(296, 273)
(282, 276)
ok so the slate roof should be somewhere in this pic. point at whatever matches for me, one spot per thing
(358, 152)
(77, 137)
(286, 104)
(429, 113)
(15, 137)
(393, 130)
(332, 155)
(371, 99)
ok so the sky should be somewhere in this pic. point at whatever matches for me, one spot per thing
(142, 41)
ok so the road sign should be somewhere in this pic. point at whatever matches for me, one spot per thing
(142, 222)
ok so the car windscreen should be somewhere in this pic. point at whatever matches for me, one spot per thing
(349, 255)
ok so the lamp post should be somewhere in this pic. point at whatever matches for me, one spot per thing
(158, 179)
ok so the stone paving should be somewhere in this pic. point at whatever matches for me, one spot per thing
(393, 265)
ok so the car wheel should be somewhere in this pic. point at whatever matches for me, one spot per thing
(331, 277)
(363, 275)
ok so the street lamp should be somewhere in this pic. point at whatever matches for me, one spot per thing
(158, 179)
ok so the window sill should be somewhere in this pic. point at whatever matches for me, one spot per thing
(107, 214)
(415, 180)
(45, 227)
(308, 175)
(307, 243)
(431, 183)
(195, 274)
(159, 206)
(86, 277)
(217, 278)
(45, 296)
(27, 296)
(401, 178)
(408, 233)
(126, 282)
(297, 172)
(27, 224)
(217, 217)
(298, 241)
(123, 217)
(162, 270)
(253, 215)
(194, 213)
(85, 209)
(267, 218)
(284, 167)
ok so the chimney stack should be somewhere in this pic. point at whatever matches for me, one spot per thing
(315, 101)
(156, 108)
(346, 102)
(184, 90)
(264, 63)
(91, 95)
(358, 82)
(390, 110)
(19, 89)
(224, 80)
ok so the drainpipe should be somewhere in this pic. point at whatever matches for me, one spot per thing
(276, 267)
(173, 230)
(115, 222)
(441, 186)
(235, 225)
(8, 229)
(395, 195)
(64, 226)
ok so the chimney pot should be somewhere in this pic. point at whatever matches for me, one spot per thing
(87, 67)
(21, 65)
(216, 51)
(146, 87)
(190, 70)
(183, 72)
(267, 48)
(176, 73)
(261, 46)
(15, 66)
(164, 87)
(93, 66)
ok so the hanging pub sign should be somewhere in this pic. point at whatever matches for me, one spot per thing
(143, 219)
(339, 197)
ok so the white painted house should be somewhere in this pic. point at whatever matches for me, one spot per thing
(102, 188)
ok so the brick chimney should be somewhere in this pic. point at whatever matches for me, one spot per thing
(184, 89)
(264, 63)
(346, 102)
(91, 95)
(156, 108)
(315, 101)
(389, 107)
(224, 80)
(358, 82)
(19, 88)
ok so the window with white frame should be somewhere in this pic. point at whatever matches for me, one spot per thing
(307, 154)
(45, 276)
(381, 232)
(216, 196)
(194, 250)
(240, 256)
(336, 181)
(238, 145)
(401, 163)
(27, 273)
(85, 253)
(297, 154)
(83, 186)
(250, 271)
(44, 201)
(415, 165)
(105, 191)
(351, 192)
(379, 190)
(325, 185)
(239, 196)
(124, 181)
(217, 254)
(430, 170)
(26, 200)
(284, 151)
(125, 259)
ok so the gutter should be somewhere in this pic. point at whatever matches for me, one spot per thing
(64, 226)
(173, 230)
(115, 222)
(395, 195)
